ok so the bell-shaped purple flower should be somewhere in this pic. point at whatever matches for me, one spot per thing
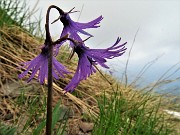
(74, 28)
(40, 65)
(88, 58)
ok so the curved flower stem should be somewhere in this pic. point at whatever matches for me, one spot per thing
(48, 42)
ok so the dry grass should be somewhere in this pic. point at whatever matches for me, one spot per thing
(16, 46)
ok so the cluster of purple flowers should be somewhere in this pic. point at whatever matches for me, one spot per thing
(88, 58)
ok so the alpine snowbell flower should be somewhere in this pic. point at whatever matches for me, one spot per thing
(88, 58)
(40, 65)
(73, 28)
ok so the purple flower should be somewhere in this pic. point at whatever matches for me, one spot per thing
(90, 57)
(40, 65)
(73, 28)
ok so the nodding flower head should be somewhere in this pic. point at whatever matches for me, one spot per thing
(73, 28)
(88, 58)
(39, 65)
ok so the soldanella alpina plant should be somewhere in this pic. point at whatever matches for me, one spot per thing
(46, 66)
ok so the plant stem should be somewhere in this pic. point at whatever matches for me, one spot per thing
(49, 97)
(48, 42)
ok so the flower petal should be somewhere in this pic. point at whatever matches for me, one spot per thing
(40, 63)
(91, 24)
(84, 70)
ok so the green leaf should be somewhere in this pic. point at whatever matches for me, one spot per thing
(40, 127)
(57, 111)
(6, 130)
(56, 114)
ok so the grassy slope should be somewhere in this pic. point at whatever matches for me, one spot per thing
(122, 108)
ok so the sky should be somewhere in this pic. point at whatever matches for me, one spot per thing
(158, 37)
